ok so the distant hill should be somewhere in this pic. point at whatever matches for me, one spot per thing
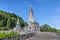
(8, 20)
(48, 28)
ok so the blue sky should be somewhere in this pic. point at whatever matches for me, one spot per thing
(45, 11)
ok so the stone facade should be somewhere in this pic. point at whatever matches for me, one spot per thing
(32, 25)
(18, 26)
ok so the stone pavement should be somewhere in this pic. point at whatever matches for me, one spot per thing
(43, 36)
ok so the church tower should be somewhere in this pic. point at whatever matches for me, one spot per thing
(18, 23)
(18, 26)
(32, 25)
(31, 19)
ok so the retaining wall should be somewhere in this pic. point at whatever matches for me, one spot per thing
(19, 37)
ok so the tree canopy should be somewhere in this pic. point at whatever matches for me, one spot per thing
(8, 20)
(48, 28)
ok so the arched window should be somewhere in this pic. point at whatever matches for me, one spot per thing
(30, 27)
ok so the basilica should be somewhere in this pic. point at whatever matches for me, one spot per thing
(32, 24)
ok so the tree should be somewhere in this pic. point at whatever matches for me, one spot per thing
(47, 28)
(1, 23)
(8, 22)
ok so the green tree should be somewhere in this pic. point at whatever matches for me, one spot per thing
(1, 23)
(47, 28)
(8, 22)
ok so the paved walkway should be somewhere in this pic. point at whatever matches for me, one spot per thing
(43, 37)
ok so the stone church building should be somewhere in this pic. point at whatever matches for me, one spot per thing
(32, 24)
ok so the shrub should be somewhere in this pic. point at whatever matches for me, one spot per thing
(10, 34)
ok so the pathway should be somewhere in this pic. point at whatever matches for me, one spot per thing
(43, 36)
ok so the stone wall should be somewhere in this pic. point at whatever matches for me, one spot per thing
(19, 37)
(26, 36)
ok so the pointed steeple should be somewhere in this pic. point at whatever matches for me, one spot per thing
(31, 19)
(31, 10)
(18, 23)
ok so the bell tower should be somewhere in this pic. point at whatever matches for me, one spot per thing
(31, 19)
(32, 25)
(18, 26)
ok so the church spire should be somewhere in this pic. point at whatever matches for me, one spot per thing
(18, 23)
(31, 19)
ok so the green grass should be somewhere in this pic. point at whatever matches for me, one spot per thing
(4, 35)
